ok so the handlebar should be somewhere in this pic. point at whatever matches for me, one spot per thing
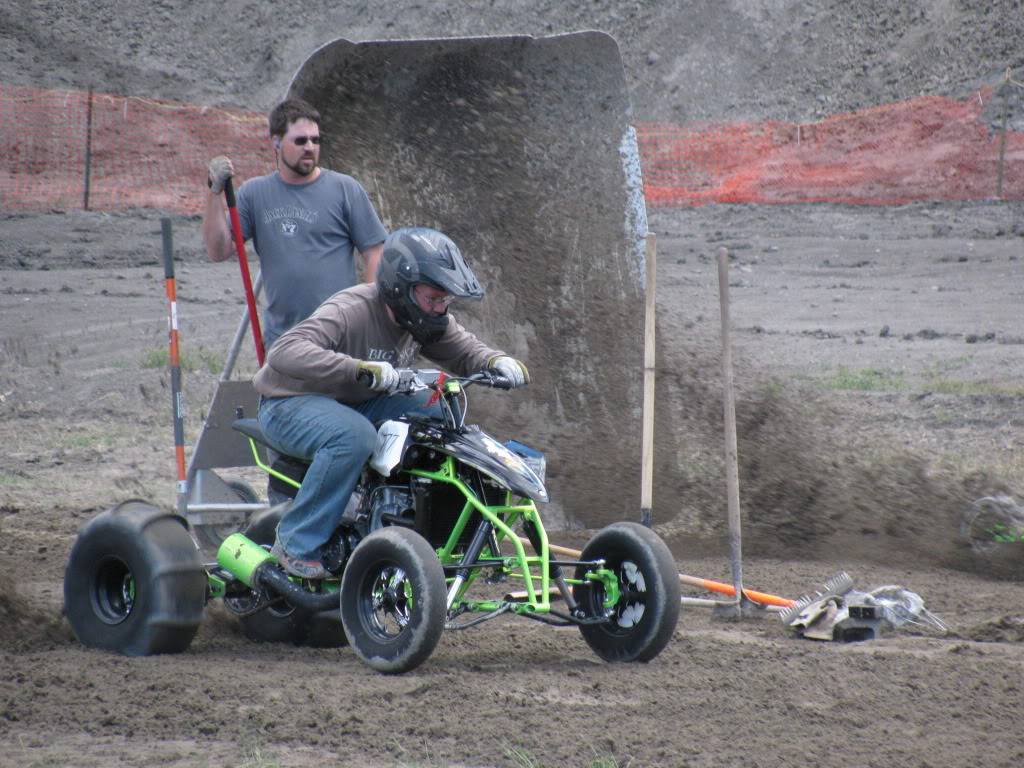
(412, 380)
(488, 379)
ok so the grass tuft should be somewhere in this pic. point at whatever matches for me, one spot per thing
(522, 758)
(200, 359)
(865, 380)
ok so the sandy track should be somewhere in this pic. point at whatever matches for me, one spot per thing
(86, 424)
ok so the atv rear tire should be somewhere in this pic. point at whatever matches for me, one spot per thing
(393, 599)
(134, 582)
(281, 622)
(646, 614)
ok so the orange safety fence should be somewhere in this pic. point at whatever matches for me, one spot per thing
(62, 149)
(928, 148)
(76, 149)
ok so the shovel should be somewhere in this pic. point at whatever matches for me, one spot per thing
(243, 263)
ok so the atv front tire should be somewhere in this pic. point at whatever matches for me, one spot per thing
(393, 599)
(281, 622)
(134, 582)
(643, 619)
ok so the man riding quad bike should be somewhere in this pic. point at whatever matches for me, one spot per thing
(391, 524)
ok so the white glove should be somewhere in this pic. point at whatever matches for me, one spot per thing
(512, 369)
(220, 170)
(383, 377)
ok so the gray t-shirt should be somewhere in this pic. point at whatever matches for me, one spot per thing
(304, 235)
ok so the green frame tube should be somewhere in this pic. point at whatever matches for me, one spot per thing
(533, 569)
(267, 468)
(502, 517)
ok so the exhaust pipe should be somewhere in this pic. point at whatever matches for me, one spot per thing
(255, 567)
(277, 581)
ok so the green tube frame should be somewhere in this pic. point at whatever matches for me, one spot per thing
(502, 517)
(267, 468)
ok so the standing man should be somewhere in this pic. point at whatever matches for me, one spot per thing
(305, 222)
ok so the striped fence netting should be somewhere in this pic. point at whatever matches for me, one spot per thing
(929, 148)
(62, 149)
(77, 149)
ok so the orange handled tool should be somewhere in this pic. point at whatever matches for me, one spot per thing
(243, 264)
(174, 360)
(694, 581)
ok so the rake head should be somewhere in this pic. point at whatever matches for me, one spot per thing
(836, 586)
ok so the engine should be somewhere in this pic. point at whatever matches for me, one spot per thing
(391, 505)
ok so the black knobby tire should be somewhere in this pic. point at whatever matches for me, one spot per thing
(643, 620)
(282, 622)
(134, 582)
(393, 599)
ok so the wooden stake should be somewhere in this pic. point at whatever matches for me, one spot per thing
(647, 445)
(731, 459)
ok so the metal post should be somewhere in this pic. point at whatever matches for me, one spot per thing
(243, 327)
(174, 361)
(647, 447)
(1002, 137)
(88, 151)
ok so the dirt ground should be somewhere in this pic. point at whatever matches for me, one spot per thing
(86, 423)
(878, 369)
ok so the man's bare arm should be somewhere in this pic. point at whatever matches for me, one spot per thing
(371, 259)
(215, 230)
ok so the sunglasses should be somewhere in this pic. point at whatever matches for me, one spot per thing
(300, 141)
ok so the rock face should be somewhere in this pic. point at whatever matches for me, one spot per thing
(483, 139)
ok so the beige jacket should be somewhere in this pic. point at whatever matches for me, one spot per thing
(321, 355)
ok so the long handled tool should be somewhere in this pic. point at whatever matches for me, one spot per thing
(243, 264)
(694, 581)
(177, 400)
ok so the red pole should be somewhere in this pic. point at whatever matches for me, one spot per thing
(243, 264)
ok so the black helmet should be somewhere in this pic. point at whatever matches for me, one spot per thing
(415, 255)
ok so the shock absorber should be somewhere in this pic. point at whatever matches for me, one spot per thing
(476, 546)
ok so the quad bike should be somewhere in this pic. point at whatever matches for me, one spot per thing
(434, 515)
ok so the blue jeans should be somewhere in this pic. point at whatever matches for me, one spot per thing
(337, 440)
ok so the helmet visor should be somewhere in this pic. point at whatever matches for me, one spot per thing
(430, 299)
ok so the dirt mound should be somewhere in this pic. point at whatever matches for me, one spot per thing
(801, 490)
(1007, 629)
(25, 627)
(703, 60)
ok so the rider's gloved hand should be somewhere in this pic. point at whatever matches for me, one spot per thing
(513, 370)
(383, 377)
(220, 170)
